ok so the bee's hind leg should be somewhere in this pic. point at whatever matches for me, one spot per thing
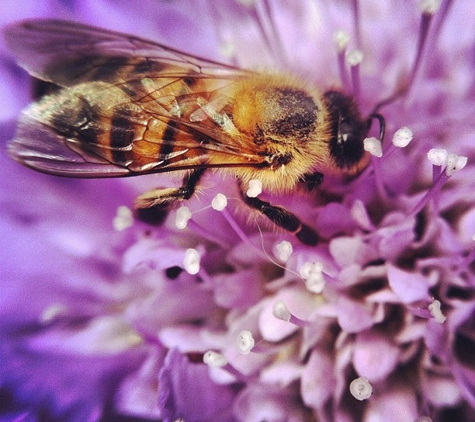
(152, 207)
(284, 219)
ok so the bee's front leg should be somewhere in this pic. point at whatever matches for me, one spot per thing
(152, 207)
(284, 219)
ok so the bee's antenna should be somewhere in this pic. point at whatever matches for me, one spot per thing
(382, 124)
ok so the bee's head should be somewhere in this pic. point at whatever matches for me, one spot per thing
(348, 131)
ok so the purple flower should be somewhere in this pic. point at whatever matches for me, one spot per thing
(104, 317)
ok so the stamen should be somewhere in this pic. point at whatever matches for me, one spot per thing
(453, 163)
(402, 137)
(191, 262)
(52, 312)
(123, 219)
(436, 312)
(283, 250)
(183, 214)
(360, 215)
(354, 59)
(219, 202)
(217, 360)
(438, 23)
(356, 18)
(280, 311)
(437, 156)
(360, 388)
(205, 233)
(235, 226)
(255, 188)
(312, 273)
(432, 193)
(428, 8)
(245, 342)
(373, 146)
(341, 40)
(214, 359)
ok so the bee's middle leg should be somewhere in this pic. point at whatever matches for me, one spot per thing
(152, 207)
(284, 219)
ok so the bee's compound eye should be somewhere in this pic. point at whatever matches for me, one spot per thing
(348, 130)
(347, 149)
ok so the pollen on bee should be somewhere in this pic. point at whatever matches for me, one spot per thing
(255, 188)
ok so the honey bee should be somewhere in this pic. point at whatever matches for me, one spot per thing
(118, 105)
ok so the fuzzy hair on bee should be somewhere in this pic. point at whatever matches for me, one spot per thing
(118, 105)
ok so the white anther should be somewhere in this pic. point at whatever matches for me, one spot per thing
(312, 273)
(280, 310)
(429, 6)
(360, 388)
(245, 342)
(219, 202)
(183, 214)
(310, 268)
(123, 219)
(354, 57)
(437, 156)
(436, 312)
(402, 137)
(341, 38)
(191, 262)
(373, 146)
(214, 359)
(52, 312)
(283, 250)
(255, 188)
(455, 163)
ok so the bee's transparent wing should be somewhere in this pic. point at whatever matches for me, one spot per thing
(79, 57)
(65, 52)
(39, 147)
